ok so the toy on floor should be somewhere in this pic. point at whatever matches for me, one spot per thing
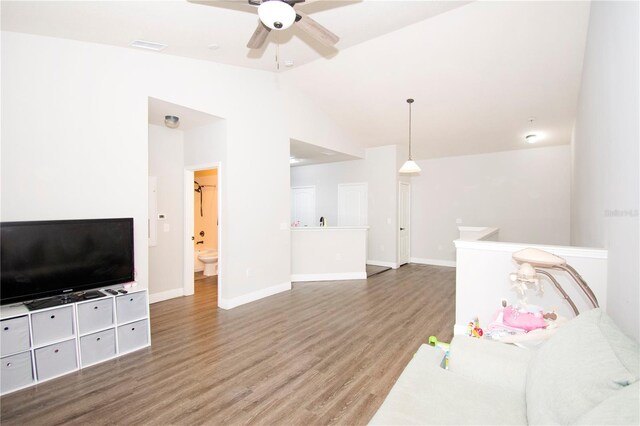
(433, 341)
(473, 329)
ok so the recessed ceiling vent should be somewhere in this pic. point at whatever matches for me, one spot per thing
(148, 45)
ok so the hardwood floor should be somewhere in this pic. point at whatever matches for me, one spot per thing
(323, 353)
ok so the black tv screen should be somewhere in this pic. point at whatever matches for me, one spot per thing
(48, 258)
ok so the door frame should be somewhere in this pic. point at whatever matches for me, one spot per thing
(408, 224)
(189, 209)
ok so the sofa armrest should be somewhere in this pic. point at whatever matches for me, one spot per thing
(490, 362)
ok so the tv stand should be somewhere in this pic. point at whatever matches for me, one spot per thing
(63, 299)
(77, 331)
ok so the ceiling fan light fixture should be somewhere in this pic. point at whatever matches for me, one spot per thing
(276, 14)
(531, 138)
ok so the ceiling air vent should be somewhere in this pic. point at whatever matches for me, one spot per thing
(149, 45)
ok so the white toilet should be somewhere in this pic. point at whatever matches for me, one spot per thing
(210, 260)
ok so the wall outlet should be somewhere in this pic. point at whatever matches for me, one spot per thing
(338, 256)
(248, 272)
(284, 226)
(166, 227)
(459, 221)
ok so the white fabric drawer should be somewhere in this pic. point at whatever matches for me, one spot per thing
(52, 325)
(14, 335)
(16, 372)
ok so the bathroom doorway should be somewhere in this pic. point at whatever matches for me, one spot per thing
(202, 230)
(205, 229)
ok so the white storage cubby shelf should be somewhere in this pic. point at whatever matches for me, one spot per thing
(47, 343)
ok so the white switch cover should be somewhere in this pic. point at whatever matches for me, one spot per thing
(166, 227)
(389, 221)
(284, 226)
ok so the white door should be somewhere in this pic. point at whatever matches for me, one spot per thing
(303, 206)
(352, 204)
(404, 223)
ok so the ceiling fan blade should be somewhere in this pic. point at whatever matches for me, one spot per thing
(259, 36)
(315, 30)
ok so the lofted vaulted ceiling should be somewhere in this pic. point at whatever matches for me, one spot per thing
(190, 27)
(477, 70)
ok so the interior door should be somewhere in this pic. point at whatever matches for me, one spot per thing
(404, 223)
(303, 206)
(352, 204)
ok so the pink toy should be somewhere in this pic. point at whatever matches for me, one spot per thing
(526, 321)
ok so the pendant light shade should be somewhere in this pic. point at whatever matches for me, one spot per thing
(409, 166)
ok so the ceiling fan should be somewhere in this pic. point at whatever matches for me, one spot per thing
(280, 15)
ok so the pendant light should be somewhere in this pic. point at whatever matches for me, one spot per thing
(409, 166)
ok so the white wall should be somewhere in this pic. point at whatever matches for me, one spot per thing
(74, 145)
(326, 177)
(166, 163)
(605, 181)
(382, 177)
(525, 193)
(205, 144)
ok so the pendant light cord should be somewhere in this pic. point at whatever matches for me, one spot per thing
(409, 101)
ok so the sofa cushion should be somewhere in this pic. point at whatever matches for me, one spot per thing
(425, 394)
(623, 408)
(490, 362)
(584, 363)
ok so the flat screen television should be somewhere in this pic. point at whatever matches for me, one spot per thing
(49, 258)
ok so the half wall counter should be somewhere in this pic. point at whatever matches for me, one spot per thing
(328, 253)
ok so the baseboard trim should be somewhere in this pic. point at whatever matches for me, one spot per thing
(329, 277)
(460, 330)
(434, 262)
(393, 265)
(165, 295)
(253, 296)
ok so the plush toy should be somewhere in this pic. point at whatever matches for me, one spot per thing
(473, 328)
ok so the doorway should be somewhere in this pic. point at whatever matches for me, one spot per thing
(404, 223)
(205, 229)
(201, 230)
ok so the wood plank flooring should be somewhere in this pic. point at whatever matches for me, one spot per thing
(324, 353)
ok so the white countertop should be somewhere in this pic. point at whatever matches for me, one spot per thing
(322, 228)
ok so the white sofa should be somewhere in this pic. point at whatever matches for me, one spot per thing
(587, 373)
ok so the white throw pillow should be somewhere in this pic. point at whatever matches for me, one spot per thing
(622, 408)
(584, 363)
